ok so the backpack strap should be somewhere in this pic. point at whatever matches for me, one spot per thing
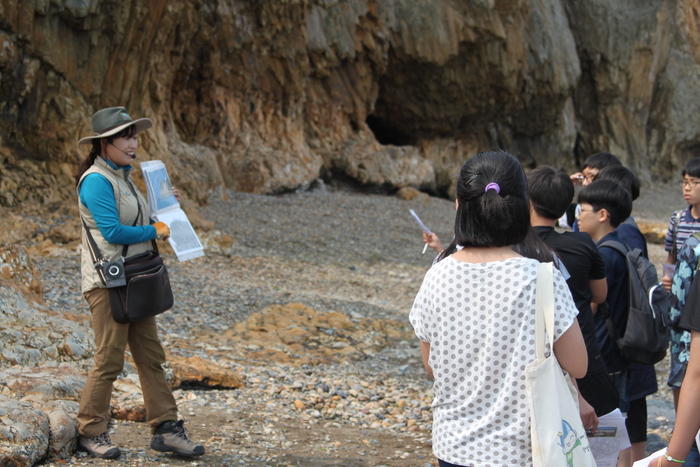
(617, 246)
(604, 307)
(612, 332)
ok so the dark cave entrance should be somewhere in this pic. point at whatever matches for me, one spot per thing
(386, 133)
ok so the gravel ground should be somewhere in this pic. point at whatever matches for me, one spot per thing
(354, 253)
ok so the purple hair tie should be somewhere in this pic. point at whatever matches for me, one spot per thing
(493, 186)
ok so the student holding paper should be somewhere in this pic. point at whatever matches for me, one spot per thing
(116, 214)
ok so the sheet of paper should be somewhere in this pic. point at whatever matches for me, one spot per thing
(183, 238)
(609, 439)
(420, 222)
(159, 187)
(645, 462)
(669, 269)
(164, 207)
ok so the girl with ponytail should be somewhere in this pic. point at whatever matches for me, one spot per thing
(474, 315)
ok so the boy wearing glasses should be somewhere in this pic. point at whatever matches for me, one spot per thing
(604, 205)
(684, 223)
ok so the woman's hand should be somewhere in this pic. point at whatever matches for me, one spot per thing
(176, 192)
(162, 230)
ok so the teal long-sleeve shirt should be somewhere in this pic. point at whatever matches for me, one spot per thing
(97, 194)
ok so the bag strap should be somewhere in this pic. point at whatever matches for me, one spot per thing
(604, 308)
(674, 235)
(125, 249)
(617, 246)
(544, 308)
(95, 252)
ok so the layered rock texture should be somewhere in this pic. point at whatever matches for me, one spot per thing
(267, 96)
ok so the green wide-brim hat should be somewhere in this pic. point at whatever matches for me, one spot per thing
(110, 121)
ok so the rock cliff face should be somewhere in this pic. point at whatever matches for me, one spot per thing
(266, 96)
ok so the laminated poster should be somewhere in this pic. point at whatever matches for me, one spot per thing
(164, 207)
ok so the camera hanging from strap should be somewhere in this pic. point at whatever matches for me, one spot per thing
(112, 273)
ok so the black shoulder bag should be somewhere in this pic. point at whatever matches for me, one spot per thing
(139, 287)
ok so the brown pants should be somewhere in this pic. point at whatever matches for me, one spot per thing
(111, 339)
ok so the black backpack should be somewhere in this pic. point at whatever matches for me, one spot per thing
(647, 333)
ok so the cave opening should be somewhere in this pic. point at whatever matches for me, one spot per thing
(386, 133)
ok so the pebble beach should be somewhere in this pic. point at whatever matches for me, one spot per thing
(338, 252)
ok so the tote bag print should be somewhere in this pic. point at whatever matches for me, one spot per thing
(569, 440)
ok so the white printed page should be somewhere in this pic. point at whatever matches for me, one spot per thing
(609, 439)
(159, 187)
(183, 238)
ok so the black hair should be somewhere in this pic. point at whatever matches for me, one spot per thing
(621, 175)
(600, 160)
(550, 191)
(491, 218)
(96, 150)
(608, 195)
(692, 168)
(534, 247)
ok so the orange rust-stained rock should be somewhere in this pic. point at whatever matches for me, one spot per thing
(298, 334)
(654, 232)
(195, 371)
(135, 413)
(17, 268)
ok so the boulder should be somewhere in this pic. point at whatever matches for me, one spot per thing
(63, 437)
(43, 383)
(198, 372)
(24, 433)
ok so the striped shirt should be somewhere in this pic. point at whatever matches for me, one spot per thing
(687, 226)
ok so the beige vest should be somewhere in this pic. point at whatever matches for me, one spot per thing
(125, 194)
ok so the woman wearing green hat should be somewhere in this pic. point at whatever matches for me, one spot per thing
(116, 214)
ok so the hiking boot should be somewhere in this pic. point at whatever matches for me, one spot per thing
(172, 437)
(99, 446)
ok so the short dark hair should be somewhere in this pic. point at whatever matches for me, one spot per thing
(490, 218)
(600, 160)
(692, 168)
(608, 195)
(550, 190)
(621, 175)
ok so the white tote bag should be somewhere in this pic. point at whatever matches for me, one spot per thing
(558, 436)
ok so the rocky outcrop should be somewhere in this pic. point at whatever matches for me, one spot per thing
(297, 334)
(24, 433)
(267, 96)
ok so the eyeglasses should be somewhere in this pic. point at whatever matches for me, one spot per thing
(690, 183)
(578, 213)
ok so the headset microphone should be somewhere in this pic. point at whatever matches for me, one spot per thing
(111, 141)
